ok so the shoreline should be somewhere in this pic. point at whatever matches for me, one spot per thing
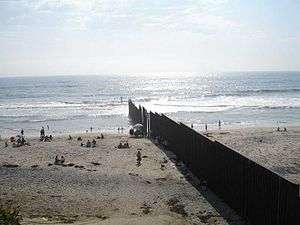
(277, 151)
(197, 127)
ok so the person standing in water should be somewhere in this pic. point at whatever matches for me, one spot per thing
(219, 124)
(206, 127)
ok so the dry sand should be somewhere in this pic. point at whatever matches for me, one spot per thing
(104, 186)
(278, 151)
(117, 191)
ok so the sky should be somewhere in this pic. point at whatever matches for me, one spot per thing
(77, 37)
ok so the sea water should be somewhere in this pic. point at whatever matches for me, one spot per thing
(71, 104)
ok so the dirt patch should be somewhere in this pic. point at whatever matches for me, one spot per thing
(177, 207)
(146, 208)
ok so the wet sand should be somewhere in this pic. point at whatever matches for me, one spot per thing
(103, 185)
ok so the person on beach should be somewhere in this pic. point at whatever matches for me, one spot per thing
(118, 129)
(205, 127)
(22, 132)
(219, 124)
(94, 143)
(70, 137)
(88, 144)
(284, 129)
(91, 129)
(102, 136)
(6, 144)
(278, 129)
(138, 158)
(192, 126)
(47, 127)
(122, 129)
(42, 132)
(57, 161)
(86, 131)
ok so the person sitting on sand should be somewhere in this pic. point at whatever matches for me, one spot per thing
(93, 143)
(12, 139)
(278, 129)
(126, 145)
(102, 136)
(47, 138)
(23, 141)
(79, 139)
(81, 144)
(57, 161)
(88, 144)
(18, 140)
(284, 129)
(51, 137)
(120, 145)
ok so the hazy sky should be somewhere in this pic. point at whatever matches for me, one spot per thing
(43, 37)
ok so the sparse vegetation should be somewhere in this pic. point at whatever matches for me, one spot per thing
(9, 216)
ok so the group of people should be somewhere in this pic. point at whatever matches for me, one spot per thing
(120, 129)
(89, 144)
(59, 161)
(91, 129)
(123, 144)
(284, 129)
(206, 127)
(18, 141)
(44, 137)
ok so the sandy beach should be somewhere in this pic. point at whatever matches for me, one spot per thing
(278, 151)
(103, 185)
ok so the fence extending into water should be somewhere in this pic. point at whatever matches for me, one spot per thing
(253, 191)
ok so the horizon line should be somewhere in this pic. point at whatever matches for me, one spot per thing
(149, 73)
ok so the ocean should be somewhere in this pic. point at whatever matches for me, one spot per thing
(71, 104)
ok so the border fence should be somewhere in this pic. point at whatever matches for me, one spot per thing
(259, 195)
